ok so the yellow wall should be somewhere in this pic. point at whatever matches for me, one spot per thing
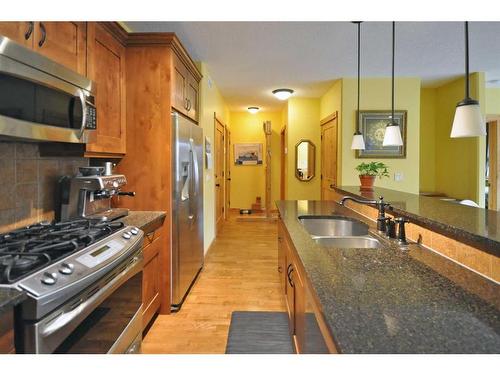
(303, 123)
(210, 101)
(248, 181)
(459, 161)
(427, 140)
(493, 101)
(376, 95)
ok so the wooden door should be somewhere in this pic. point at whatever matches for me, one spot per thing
(179, 85)
(493, 165)
(64, 42)
(227, 173)
(107, 69)
(219, 174)
(283, 163)
(20, 32)
(192, 97)
(328, 156)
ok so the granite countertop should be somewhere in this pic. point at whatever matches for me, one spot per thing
(145, 220)
(9, 298)
(472, 225)
(390, 300)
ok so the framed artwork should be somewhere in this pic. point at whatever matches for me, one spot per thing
(247, 153)
(373, 125)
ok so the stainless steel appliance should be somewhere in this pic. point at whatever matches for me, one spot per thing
(83, 280)
(88, 195)
(41, 100)
(187, 206)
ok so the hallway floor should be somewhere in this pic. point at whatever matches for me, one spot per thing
(240, 274)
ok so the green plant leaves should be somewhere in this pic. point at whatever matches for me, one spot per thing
(373, 168)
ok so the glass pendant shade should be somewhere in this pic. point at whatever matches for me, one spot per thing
(358, 142)
(468, 120)
(392, 136)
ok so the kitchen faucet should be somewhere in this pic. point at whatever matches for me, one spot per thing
(381, 205)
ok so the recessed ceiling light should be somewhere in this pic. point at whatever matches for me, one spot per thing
(253, 110)
(282, 94)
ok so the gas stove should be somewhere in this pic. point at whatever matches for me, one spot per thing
(26, 250)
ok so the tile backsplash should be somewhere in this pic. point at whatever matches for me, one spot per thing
(27, 183)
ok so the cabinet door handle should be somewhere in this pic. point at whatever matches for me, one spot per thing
(44, 34)
(289, 273)
(27, 34)
(188, 105)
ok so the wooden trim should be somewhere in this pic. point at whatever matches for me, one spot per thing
(493, 138)
(117, 30)
(329, 118)
(165, 39)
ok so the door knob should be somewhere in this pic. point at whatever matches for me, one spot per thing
(217, 185)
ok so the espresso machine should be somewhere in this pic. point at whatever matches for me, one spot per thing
(88, 195)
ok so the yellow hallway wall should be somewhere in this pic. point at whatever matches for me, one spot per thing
(303, 123)
(210, 101)
(248, 181)
(428, 139)
(493, 101)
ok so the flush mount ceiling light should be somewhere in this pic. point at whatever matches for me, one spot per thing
(282, 94)
(358, 142)
(392, 136)
(468, 120)
(253, 110)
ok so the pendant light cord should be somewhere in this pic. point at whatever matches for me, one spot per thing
(393, 86)
(359, 64)
(467, 60)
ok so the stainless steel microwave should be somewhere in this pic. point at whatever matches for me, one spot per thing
(41, 100)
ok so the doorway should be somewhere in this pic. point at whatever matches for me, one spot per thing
(283, 152)
(329, 154)
(227, 173)
(492, 166)
(219, 173)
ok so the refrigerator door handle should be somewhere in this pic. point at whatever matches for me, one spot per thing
(194, 179)
(196, 167)
(187, 182)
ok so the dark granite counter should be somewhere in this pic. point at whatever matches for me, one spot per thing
(390, 300)
(145, 220)
(471, 225)
(10, 298)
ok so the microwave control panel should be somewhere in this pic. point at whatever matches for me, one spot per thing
(91, 122)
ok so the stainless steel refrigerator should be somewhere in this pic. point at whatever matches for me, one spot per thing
(187, 206)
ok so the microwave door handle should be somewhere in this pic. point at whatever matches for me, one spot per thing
(84, 112)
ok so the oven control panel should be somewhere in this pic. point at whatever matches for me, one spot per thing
(83, 264)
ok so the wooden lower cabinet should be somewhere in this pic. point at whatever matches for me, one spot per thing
(308, 329)
(151, 277)
(7, 332)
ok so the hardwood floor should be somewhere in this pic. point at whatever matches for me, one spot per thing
(240, 273)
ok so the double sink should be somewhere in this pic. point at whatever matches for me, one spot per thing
(339, 231)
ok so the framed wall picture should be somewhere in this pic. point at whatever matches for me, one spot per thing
(247, 153)
(373, 125)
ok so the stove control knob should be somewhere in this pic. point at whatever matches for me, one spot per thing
(134, 231)
(126, 235)
(67, 268)
(115, 184)
(49, 278)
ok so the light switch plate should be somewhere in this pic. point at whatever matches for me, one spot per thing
(398, 176)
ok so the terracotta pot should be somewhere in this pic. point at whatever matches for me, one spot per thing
(366, 182)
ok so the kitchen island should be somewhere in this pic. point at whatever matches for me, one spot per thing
(387, 299)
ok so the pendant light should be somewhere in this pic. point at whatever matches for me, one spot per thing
(468, 120)
(358, 142)
(392, 136)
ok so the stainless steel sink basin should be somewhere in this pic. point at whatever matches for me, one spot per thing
(361, 242)
(333, 226)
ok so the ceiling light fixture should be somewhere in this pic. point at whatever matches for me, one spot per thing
(358, 142)
(392, 136)
(468, 120)
(253, 110)
(282, 94)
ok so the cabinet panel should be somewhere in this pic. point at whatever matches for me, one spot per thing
(151, 281)
(179, 85)
(7, 332)
(282, 257)
(20, 32)
(192, 97)
(64, 42)
(107, 69)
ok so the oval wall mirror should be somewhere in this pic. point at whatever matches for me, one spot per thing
(305, 160)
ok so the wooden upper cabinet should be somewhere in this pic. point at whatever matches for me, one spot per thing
(185, 89)
(63, 42)
(106, 67)
(20, 32)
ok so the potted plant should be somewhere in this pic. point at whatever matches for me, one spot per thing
(368, 172)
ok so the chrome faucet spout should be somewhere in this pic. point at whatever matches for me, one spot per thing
(381, 205)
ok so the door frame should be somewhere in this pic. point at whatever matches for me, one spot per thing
(219, 124)
(333, 117)
(494, 150)
(227, 172)
(283, 153)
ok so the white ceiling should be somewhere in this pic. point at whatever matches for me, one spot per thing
(249, 59)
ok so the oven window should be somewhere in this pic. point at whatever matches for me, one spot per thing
(99, 331)
(25, 100)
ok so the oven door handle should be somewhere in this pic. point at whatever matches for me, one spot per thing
(71, 319)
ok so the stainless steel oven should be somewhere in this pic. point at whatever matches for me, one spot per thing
(41, 100)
